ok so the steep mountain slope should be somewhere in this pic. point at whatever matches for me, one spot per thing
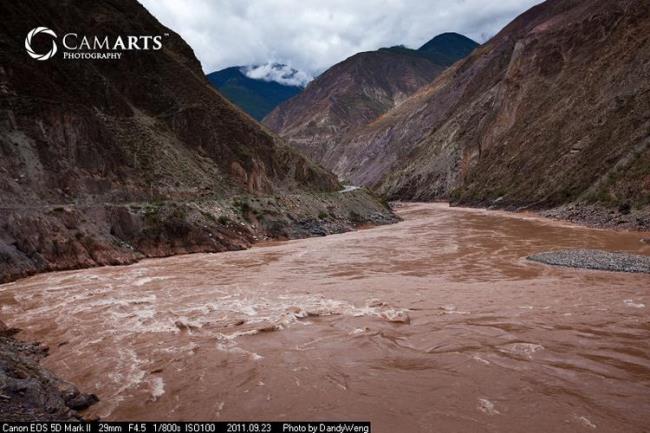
(353, 93)
(256, 97)
(107, 161)
(553, 109)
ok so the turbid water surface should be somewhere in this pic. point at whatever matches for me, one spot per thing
(435, 324)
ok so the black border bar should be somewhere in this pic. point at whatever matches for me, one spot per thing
(187, 427)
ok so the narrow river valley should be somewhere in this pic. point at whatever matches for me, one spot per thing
(435, 324)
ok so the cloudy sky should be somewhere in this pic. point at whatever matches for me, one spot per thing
(312, 35)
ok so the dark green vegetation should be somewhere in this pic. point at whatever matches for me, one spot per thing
(256, 97)
(627, 187)
(444, 49)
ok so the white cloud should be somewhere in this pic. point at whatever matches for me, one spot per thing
(312, 35)
(283, 74)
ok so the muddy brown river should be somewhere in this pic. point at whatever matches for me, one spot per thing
(435, 324)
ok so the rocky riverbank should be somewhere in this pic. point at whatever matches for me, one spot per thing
(59, 237)
(621, 217)
(624, 217)
(595, 259)
(29, 392)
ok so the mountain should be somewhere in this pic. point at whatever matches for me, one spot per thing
(447, 48)
(256, 96)
(357, 91)
(552, 110)
(106, 161)
(353, 93)
(444, 49)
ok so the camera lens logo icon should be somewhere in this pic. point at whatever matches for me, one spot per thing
(28, 43)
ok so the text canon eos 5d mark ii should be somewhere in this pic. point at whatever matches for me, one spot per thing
(46, 427)
(186, 427)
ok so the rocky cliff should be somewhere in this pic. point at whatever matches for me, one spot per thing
(106, 161)
(552, 110)
(359, 90)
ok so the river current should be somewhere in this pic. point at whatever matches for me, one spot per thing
(435, 324)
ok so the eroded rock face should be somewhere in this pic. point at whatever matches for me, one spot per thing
(107, 161)
(552, 110)
(147, 125)
(349, 94)
(548, 116)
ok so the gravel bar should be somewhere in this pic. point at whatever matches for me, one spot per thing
(595, 259)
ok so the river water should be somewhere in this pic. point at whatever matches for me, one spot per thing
(435, 324)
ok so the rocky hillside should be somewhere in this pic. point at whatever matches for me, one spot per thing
(107, 161)
(257, 97)
(552, 110)
(353, 93)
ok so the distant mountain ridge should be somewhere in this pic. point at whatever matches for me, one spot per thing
(448, 48)
(359, 90)
(444, 49)
(255, 96)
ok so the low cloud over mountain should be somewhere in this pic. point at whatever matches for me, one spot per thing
(279, 73)
(311, 35)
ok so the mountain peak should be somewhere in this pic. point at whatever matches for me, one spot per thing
(446, 48)
(448, 37)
